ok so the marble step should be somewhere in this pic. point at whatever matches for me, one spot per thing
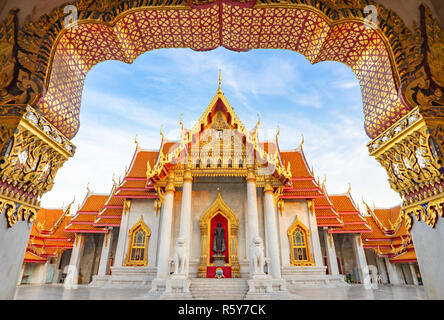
(219, 289)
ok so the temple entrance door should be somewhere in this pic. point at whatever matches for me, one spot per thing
(219, 230)
(219, 263)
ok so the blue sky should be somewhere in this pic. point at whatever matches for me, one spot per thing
(322, 102)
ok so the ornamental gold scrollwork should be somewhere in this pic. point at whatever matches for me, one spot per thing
(31, 152)
(411, 153)
(428, 212)
(15, 212)
(426, 83)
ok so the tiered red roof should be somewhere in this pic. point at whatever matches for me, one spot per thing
(350, 215)
(83, 220)
(111, 214)
(389, 236)
(304, 186)
(134, 184)
(48, 238)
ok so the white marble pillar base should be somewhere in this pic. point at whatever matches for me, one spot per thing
(158, 287)
(176, 288)
(267, 288)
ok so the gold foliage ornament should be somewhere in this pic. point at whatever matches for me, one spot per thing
(16, 211)
(428, 212)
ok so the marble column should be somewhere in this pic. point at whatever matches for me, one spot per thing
(314, 236)
(72, 277)
(57, 271)
(253, 220)
(272, 239)
(331, 253)
(392, 272)
(163, 266)
(123, 235)
(361, 260)
(414, 275)
(382, 269)
(106, 253)
(185, 216)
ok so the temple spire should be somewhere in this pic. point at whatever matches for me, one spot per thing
(219, 89)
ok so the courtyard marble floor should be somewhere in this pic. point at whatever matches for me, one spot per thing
(355, 292)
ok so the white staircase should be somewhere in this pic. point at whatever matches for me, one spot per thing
(219, 289)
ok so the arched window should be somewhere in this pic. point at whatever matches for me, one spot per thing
(219, 163)
(198, 163)
(241, 165)
(299, 245)
(230, 163)
(208, 163)
(299, 237)
(138, 245)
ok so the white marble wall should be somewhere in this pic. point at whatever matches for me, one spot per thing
(13, 242)
(292, 209)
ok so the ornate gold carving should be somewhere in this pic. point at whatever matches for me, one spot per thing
(428, 211)
(281, 205)
(425, 86)
(31, 152)
(412, 156)
(126, 206)
(219, 207)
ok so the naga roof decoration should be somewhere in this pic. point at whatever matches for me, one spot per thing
(389, 236)
(48, 238)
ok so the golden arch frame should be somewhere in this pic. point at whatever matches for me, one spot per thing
(219, 206)
(139, 224)
(62, 105)
(297, 224)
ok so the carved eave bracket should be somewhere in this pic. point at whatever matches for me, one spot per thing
(411, 151)
(31, 152)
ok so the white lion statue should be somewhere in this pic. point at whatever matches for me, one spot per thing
(180, 256)
(258, 257)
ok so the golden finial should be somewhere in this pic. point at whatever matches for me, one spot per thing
(349, 187)
(161, 133)
(220, 80)
(302, 141)
(113, 179)
(87, 188)
(136, 142)
(180, 120)
(277, 133)
(323, 183)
